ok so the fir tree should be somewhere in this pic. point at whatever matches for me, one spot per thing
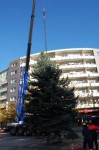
(51, 103)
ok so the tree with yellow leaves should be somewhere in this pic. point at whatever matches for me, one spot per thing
(8, 114)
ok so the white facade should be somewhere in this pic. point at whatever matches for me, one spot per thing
(81, 65)
(3, 88)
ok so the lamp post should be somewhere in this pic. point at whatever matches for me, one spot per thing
(93, 99)
(94, 103)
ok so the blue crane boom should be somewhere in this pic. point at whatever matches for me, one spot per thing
(21, 102)
(19, 128)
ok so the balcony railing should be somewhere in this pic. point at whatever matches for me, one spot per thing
(3, 98)
(77, 85)
(32, 62)
(2, 106)
(76, 75)
(87, 106)
(72, 57)
(2, 82)
(3, 90)
(78, 66)
(82, 95)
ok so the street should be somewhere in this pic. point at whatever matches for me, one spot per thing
(8, 142)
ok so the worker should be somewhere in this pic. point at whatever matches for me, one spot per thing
(87, 137)
(92, 128)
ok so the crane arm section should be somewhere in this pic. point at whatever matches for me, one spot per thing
(30, 36)
(21, 101)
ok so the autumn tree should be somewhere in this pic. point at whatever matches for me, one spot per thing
(8, 114)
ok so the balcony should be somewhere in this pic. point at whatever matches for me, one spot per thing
(94, 84)
(84, 95)
(32, 62)
(2, 106)
(87, 106)
(3, 90)
(81, 85)
(3, 82)
(79, 75)
(70, 57)
(3, 98)
(77, 66)
(81, 94)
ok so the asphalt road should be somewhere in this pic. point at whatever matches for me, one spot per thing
(8, 142)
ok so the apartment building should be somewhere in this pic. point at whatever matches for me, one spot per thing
(81, 65)
(3, 88)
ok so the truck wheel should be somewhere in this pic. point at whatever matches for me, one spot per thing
(13, 131)
(20, 131)
(29, 133)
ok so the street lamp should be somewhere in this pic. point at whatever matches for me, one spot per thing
(94, 103)
(93, 99)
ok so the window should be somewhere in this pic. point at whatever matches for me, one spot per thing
(13, 98)
(14, 64)
(98, 53)
(13, 89)
(13, 72)
(14, 80)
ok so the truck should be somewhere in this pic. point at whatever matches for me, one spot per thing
(19, 127)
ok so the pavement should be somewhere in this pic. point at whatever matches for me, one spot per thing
(8, 142)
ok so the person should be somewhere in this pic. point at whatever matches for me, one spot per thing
(87, 137)
(92, 128)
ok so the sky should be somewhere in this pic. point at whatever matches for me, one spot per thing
(69, 24)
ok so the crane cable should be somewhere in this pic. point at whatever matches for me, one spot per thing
(44, 19)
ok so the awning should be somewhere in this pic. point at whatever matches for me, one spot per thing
(88, 110)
